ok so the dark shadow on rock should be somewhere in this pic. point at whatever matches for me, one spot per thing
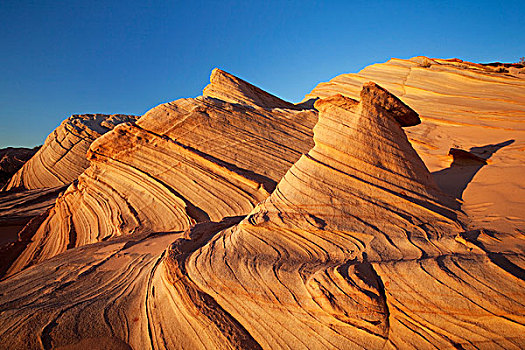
(464, 167)
(497, 258)
(308, 104)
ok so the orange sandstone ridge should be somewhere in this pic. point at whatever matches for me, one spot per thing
(239, 220)
(63, 156)
(462, 105)
(183, 162)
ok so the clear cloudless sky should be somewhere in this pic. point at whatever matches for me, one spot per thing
(60, 58)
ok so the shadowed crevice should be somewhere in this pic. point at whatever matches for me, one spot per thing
(177, 255)
(497, 258)
(465, 165)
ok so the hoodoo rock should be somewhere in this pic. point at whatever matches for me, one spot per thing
(461, 105)
(183, 162)
(62, 158)
(356, 247)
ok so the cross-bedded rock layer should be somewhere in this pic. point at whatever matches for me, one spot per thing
(462, 105)
(62, 158)
(355, 248)
(183, 162)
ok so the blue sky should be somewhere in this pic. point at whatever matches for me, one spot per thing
(67, 57)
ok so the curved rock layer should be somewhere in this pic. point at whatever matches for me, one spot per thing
(62, 158)
(12, 159)
(88, 298)
(183, 162)
(355, 248)
(462, 105)
(20, 212)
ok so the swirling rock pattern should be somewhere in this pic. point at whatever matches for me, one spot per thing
(355, 248)
(462, 105)
(183, 162)
(95, 300)
(62, 158)
(20, 213)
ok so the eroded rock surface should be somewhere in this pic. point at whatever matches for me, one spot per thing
(462, 105)
(63, 156)
(356, 247)
(21, 212)
(183, 162)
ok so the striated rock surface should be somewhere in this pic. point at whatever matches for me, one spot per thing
(72, 296)
(356, 247)
(63, 156)
(183, 162)
(462, 105)
(229, 88)
(20, 215)
(18, 207)
(12, 159)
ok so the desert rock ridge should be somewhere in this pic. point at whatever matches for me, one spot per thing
(478, 108)
(229, 88)
(349, 251)
(44, 174)
(351, 243)
(62, 158)
(188, 161)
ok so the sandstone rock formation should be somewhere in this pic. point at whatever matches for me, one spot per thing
(12, 159)
(63, 156)
(463, 157)
(20, 215)
(356, 247)
(18, 207)
(462, 105)
(183, 162)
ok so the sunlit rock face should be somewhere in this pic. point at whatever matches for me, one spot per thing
(62, 158)
(477, 108)
(356, 247)
(183, 162)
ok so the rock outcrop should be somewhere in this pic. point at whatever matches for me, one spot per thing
(183, 162)
(20, 215)
(12, 159)
(462, 105)
(229, 88)
(462, 157)
(62, 158)
(356, 247)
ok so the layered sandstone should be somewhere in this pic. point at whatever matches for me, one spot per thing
(356, 247)
(62, 158)
(183, 162)
(478, 108)
(20, 215)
